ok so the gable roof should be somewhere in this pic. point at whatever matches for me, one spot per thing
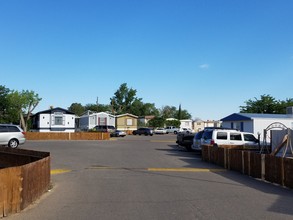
(251, 116)
(53, 110)
(126, 114)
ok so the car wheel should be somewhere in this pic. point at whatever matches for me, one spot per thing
(13, 143)
(175, 132)
(188, 148)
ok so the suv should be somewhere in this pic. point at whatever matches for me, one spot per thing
(145, 131)
(228, 137)
(197, 141)
(11, 135)
(105, 128)
(172, 129)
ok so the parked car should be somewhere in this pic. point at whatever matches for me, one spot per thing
(160, 131)
(186, 130)
(144, 131)
(11, 135)
(197, 141)
(104, 128)
(118, 133)
(185, 140)
(172, 129)
(228, 137)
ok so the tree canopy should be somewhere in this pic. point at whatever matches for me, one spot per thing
(16, 107)
(266, 104)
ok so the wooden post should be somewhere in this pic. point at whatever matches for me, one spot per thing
(263, 166)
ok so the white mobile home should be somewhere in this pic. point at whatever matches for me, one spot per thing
(54, 120)
(257, 123)
(91, 119)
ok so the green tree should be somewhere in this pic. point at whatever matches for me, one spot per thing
(169, 112)
(97, 108)
(175, 123)
(77, 108)
(123, 99)
(22, 105)
(142, 109)
(266, 104)
(4, 102)
(172, 112)
(156, 122)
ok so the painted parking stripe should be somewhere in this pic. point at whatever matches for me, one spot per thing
(59, 171)
(184, 170)
(159, 169)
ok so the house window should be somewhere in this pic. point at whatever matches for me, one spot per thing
(58, 120)
(129, 122)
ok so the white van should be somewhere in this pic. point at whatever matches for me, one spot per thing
(228, 137)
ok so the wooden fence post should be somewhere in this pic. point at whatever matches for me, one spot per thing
(263, 166)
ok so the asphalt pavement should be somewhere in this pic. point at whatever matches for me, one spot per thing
(143, 178)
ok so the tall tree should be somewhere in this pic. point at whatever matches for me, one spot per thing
(77, 108)
(3, 103)
(22, 105)
(172, 112)
(266, 104)
(99, 108)
(179, 112)
(123, 99)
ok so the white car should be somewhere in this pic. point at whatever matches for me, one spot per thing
(186, 130)
(228, 137)
(118, 133)
(11, 135)
(160, 131)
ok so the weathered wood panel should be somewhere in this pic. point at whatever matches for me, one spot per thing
(271, 168)
(67, 136)
(22, 184)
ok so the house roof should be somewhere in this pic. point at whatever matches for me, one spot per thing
(53, 110)
(251, 116)
(126, 114)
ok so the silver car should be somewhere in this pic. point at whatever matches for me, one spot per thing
(11, 135)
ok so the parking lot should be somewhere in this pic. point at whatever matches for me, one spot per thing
(148, 177)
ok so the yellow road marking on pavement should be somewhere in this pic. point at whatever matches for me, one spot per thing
(159, 169)
(59, 171)
(184, 170)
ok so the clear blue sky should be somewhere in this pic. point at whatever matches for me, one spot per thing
(209, 55)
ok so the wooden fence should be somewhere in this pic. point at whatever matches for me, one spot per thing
(263, 166)
(24, 177)
(67, 136)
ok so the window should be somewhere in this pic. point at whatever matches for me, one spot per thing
(3, 129)
(129, 122)
(249, 137)
(13, 129)
(58, 120)
(235, 137)
(222, 135)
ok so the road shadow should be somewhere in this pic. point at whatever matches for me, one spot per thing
(193, 160)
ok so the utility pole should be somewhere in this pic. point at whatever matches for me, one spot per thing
(97, 102)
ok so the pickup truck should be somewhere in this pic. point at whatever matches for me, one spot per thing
(172, 129)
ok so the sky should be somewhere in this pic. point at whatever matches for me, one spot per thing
(210, 56)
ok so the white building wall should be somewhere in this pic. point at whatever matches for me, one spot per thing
(186, 124)
(258, 125)
(90, 121)
(44, 121)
